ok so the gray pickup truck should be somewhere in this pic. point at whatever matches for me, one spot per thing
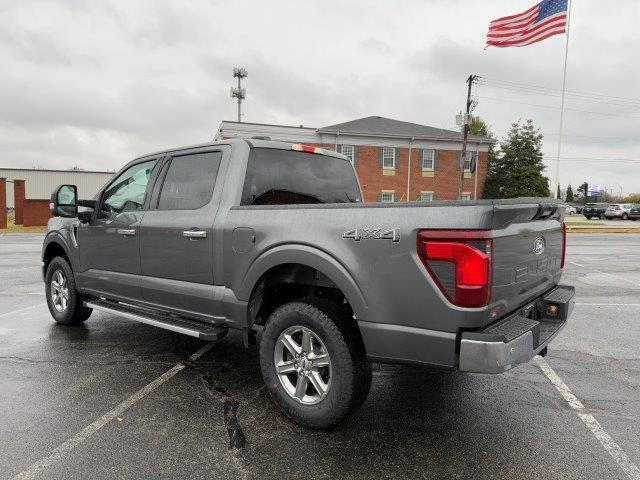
(256, 235)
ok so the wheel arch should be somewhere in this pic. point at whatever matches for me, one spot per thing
(301, 263)
(55, 246)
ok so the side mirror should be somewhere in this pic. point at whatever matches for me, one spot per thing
(64, 201)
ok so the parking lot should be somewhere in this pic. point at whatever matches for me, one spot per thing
(118, 399)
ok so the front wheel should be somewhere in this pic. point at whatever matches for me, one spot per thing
(625, 216)
(588, 217)
(313, 363)
(63, 300)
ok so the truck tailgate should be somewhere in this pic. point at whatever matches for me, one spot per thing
(527, 253)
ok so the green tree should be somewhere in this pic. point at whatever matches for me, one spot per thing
(569, 196)
(478, 127)
(583, 192)
(518, 170)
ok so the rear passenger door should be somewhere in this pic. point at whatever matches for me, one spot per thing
(176, 242)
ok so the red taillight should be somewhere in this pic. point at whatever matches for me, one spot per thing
(564, 243)
(468, 282)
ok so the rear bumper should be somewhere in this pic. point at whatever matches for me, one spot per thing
(517, 338)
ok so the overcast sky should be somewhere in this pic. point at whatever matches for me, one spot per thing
(95, 84)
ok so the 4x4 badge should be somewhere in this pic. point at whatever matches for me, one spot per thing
(358, 234)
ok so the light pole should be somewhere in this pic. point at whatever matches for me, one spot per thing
(239, 93)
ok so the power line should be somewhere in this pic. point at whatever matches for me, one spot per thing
(557, 108)
(604, 101)
(486, 80)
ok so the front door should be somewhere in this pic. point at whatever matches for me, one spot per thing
(177, 244)
(109, 245)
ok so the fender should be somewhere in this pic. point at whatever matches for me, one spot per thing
(311, 257)
(62, 238)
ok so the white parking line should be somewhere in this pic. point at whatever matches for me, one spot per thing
(6, 314)
(589, 420)
(607, 274)
(65, 447)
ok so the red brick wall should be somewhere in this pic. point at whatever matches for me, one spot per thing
(18, 200)
(444, 183)
(36, 212)
(3, 202)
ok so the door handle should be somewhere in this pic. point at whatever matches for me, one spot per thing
(126, 232)
(194, 234)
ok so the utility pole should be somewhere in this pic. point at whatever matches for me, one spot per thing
(465, 131)
(239, 93)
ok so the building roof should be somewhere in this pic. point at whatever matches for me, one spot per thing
(55, 170)
(381, 126)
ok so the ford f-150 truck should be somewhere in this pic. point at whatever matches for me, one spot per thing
(273, 238)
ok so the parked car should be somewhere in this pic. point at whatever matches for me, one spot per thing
(255, 235)
(570, 210)
(634, 214)
(596, 210)
(618, 210)
(577, 206)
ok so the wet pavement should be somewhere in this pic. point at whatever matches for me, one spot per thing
(211, 417)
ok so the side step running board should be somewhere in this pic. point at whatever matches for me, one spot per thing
(185, 326)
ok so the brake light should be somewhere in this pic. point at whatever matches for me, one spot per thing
(564, 244)
(459, 261)
(305, 148)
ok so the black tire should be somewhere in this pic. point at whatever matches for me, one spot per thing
(72, 312)
(588, 217)
(602, 216)
(625, 216)
(350, 370)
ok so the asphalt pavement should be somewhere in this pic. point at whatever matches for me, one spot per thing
(117, 399)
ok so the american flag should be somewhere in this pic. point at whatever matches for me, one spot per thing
(541, 21)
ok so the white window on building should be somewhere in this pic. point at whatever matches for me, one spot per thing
(428, 159)
(465, 196)
(388, 158)
(467, 161)
(387, 196)
(426, 197)
(349, 151)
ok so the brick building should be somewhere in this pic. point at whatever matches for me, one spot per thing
(395, 161)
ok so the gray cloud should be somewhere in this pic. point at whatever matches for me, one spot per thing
(97, 83)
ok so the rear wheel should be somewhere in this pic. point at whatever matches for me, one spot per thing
(313, 362)
(625, 216)
(588, 217)
(63, 300)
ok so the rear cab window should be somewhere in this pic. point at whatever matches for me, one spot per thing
(287, 177)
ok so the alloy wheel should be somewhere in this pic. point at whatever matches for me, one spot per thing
(59, 291)
(303, 365)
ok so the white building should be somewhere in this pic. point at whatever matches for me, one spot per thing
(40, 183)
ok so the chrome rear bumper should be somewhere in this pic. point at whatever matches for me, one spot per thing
(515, 339)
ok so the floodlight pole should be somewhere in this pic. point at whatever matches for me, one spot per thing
(465, 133)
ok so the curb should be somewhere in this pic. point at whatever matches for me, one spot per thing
(603, 230)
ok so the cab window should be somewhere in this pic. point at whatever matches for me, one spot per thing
(189, 182)
(127, 192)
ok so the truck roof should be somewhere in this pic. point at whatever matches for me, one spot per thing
(252, 142)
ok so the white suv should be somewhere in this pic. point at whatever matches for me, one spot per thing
(618, 210)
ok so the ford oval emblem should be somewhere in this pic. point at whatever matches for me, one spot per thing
(538, 246)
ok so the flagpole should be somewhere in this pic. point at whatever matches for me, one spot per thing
(564, 83)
